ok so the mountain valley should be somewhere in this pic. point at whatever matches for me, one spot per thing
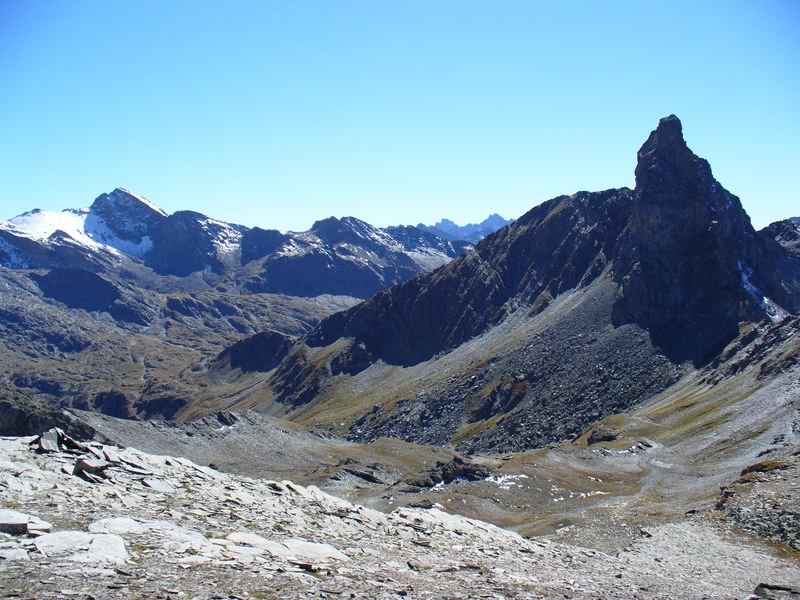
(106, 308)
(612, 381)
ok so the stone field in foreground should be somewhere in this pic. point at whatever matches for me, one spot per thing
(84, 520)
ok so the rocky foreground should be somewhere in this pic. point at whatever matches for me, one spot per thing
(84, 520)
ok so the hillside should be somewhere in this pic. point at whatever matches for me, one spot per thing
(584, 307)
(102, 521)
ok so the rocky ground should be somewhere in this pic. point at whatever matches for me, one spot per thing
(84, 520)
(765, 499)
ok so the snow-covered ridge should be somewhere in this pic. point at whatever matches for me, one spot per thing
(121, 223)
(82, 225)
(143, 200)
(227, 238)
(353, 240)
(40, 224)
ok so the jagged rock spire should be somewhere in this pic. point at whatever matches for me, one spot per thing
(681, 259)
(665, 148)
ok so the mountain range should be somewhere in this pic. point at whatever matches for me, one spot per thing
(610, 364)
(336, 256)
(584, 307)
(169, 290)
(472, 232)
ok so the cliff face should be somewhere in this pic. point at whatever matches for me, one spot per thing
(689, 264)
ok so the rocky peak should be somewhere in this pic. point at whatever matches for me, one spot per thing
(346, 230)
(129, 216)
(258, 243)
(331, 230)
(665, 152)
(689, 259)
(122, 199)
(786, 233)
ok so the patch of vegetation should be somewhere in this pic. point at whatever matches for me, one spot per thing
(767, 466)
(473, 429)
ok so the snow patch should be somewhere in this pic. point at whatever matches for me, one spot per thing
(41, 224)
(292, 248)
(506, 482)
(14, 260)
(774, 311)
(225, 238)
(82, 225)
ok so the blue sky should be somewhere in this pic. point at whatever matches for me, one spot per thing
(278, 113)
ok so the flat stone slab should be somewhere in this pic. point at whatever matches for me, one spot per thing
(158, 485)
(19, 523)
(120, 526)
(95, 548)
(312, 551)
(12, 554)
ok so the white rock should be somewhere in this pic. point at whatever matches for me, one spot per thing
(84, 547)
(12, 554)
(159, 485)
(119, 526)
(18, 523)
(312, 551)
(258, 542)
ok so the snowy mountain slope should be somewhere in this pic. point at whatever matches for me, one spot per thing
(120, 223)
(82, 225)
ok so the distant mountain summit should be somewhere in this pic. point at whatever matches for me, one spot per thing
(473, 232)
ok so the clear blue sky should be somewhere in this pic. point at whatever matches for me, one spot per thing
(279, 113)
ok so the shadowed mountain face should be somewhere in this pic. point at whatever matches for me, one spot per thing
(562, 244)
(690, 266)
(628, 287)
(687, 261)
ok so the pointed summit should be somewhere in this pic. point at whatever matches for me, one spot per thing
(129, 216)
(664, 159)
(666, 139)
(687, 249)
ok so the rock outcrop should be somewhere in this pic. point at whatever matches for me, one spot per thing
(690, 266)
(260, 352)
